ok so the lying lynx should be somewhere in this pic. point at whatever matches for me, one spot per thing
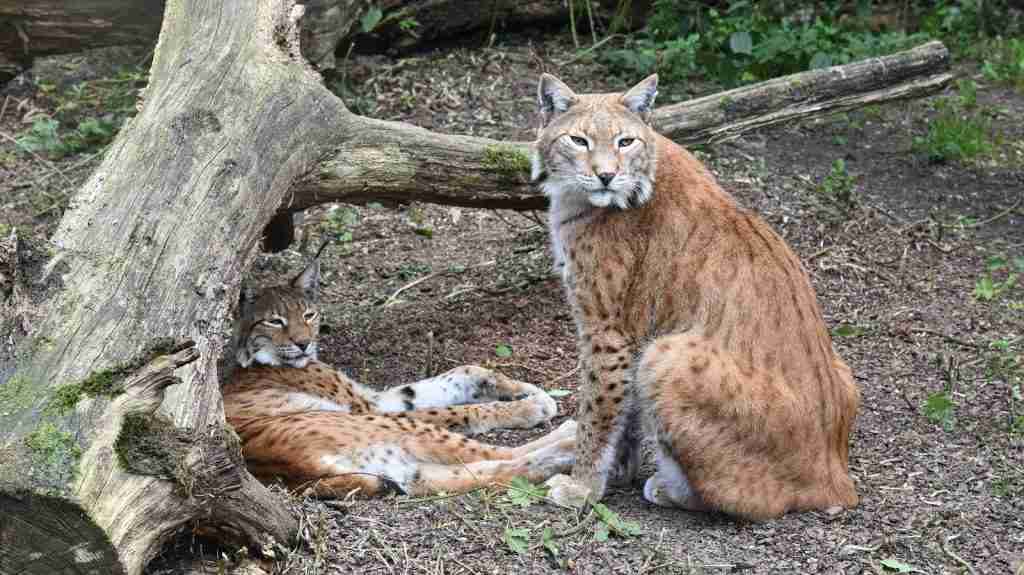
(697, 324)
(314, 427)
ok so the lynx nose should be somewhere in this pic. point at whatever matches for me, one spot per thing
(606, 178)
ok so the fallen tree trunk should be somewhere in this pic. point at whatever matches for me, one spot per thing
(395, 162)
(43, 27)
(151, 251)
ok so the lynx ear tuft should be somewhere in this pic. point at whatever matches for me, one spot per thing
(553, 98)
(640, 98)
(309, 280)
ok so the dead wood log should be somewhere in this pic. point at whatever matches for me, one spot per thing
(408, 24)
(396, 162)
(43, 27)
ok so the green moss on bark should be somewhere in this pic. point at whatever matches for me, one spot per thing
(52, 446)
(105, 382)
(506, 160)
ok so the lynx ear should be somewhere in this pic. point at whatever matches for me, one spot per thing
(553, 98)
(640, 98)
(309, 280)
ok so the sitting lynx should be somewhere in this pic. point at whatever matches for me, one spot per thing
(313, 426)
(696, 323)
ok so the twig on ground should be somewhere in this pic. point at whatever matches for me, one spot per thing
(940, 247)
(1001, 214)
(949, 553)
(586, 521)
(419, 500)
(567, 375)
(948, 338)
(820, 253)
(906, 398)
(394, 296)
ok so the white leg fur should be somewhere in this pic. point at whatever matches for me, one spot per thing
(460, 386)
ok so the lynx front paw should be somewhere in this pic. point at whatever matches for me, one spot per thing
(567, 492)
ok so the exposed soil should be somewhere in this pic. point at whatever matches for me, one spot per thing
(415, 290)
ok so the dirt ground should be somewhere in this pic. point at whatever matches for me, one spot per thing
(414, 290)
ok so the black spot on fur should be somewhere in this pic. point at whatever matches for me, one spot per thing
(409, 406)
(409, 392)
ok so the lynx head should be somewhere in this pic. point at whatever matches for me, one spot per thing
(596, 149)
(280, 325)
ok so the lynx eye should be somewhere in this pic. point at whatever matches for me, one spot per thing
(581, 142)
(626, 142)
(276, 322)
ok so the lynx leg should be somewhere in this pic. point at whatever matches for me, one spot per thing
(423, 460)
(629, 452)
(462, 385)
(456, 399)
(748, 441)
(536, 466)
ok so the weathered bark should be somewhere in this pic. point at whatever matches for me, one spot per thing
(152, 248)
(388, 161)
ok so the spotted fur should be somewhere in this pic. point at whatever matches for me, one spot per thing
(697, 325)
(312, 426)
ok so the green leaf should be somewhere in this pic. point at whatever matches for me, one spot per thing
(616, 523)
(996, 263)
(939, 407)
(896, 565)
(425, 232)
(985, 289)
(370, 20)
(847, 330)
(518, 540)
(547, 539)
(503, 350)
(523, 493)
(558, 392)
(601, 533)
(741, 43)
